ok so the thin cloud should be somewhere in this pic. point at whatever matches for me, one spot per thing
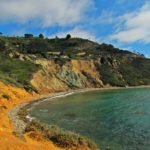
(77, 32)
(44, 12)
(136, 26)
(106, 17)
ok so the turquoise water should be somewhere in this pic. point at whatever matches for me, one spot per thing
(118, 118)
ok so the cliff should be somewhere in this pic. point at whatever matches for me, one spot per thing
(52, 65)
(30, 67)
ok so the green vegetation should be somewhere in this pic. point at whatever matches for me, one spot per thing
(15, 71)
(111, 75)
(6, 96)
(65, 139)
(131, 68)
(114, 66)
(135, 71)
(67, 46)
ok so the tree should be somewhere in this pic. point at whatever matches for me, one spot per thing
(1, 33)
(37, 46)
(68, 36)
(28, 35)
(2, 43)
(56, 38)
(41, 36)
(142, 55)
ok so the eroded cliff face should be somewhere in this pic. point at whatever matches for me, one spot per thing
(62, 65)
(54, 77)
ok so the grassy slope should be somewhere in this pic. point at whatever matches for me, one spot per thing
(136, 71)
(15, 71)
(8, 141)
(131, 69)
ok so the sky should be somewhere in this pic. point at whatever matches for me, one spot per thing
(123, 23)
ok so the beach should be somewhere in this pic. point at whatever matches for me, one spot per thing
(19, 114)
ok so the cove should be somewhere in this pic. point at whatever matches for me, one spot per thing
(117, 118)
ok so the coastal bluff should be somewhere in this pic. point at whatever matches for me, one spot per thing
(35, 67)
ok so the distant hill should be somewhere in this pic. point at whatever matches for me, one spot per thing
(46, 65)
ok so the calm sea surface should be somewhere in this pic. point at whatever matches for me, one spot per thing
(118, 118)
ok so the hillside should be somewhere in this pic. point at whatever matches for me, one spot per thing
(48, 65)
(9, 140)
(34, 66)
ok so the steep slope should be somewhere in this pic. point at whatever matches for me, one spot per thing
(91, 73)
(30, 67)
(52, 65)
(9, 97)
(72, 75)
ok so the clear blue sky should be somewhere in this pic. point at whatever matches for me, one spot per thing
(123, 23)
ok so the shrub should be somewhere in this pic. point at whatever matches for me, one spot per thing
(41, 36)
(110, 75)
(60, 137)
(3, 106)
(15, 71)
(6, 96)
(28, 35)
(68, 36)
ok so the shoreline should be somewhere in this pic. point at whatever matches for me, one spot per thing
(19, 114)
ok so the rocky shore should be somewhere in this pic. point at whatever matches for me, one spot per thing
(19, 114)
(19, 125)
(22, 122)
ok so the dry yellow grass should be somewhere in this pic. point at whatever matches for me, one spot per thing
(8, 141)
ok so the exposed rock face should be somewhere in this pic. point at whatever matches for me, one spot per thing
(82, 73)
(74, 74)
(69, 64)
(71, 78)
(54, 65)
